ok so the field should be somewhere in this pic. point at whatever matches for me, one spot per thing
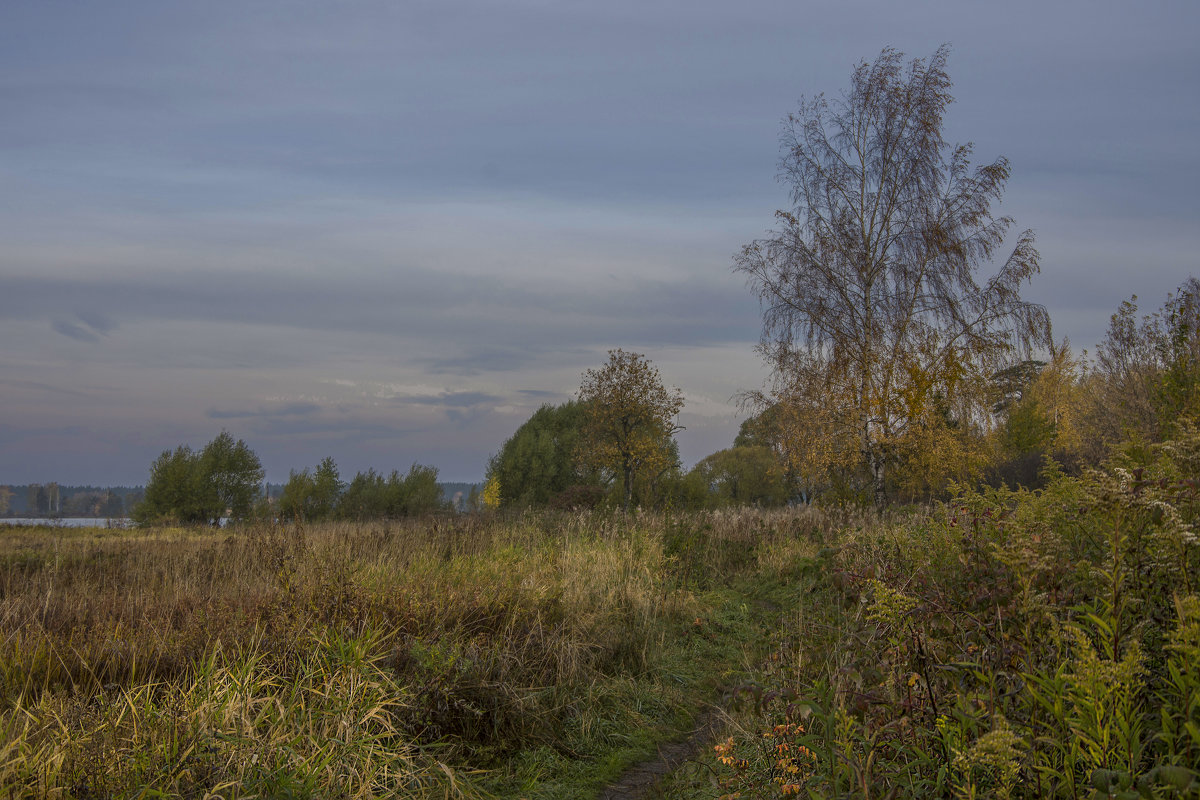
(1007, 644)
(456, 656)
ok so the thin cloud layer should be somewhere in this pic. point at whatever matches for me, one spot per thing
(389, 232)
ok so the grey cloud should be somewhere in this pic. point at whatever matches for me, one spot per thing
(73, 331)
(351, 428)
(229, 182)
(288, 410)
(95, 326)
(451, 402)
(477, 360)
(457, 399)
(96, 320)
(463, 416)
(42, 387)
(460, 325)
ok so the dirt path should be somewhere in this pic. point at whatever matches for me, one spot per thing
(640, 778)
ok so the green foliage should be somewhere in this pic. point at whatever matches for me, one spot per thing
(322, 495)
(223, 479)
(312, 497)
(231, 476)
(371, 496)
(1011, 644)
(540, 462)
(629, 422)
(1179, 697)
(171, 491)
(740, 476)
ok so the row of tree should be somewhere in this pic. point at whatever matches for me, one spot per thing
(1142, 385)
(224, 480)
(322, 495)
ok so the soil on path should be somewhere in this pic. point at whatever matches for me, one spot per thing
(640, 778)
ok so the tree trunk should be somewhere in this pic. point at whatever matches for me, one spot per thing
(628, 470)
(879, 490)
(875, 463)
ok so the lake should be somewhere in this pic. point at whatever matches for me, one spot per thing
(70, 522)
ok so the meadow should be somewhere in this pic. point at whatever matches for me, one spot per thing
(532, 655)
(1031, 644)
(1002, 644)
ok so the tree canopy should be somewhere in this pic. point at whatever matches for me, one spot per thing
(879, 333)
(540, 461)
(312, 497)
(738, 476)
(629, 420)
(225, 478)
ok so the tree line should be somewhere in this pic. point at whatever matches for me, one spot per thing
(898, 369)
(904, 359)
(224, 481)
(57, 500)
(615, 445)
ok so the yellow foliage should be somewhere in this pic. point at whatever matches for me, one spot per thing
(491, 493)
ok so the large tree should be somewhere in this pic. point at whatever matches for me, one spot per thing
(174, 489)
(873, 319)
(232, 477)
(538, 463)
(629, 420)
(188, 486)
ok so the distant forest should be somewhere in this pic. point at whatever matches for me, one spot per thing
(56, 500)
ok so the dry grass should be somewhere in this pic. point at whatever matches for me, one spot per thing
(350, 660)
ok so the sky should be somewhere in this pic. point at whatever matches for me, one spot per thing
(388, 231)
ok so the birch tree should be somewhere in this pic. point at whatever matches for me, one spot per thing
(873, 312)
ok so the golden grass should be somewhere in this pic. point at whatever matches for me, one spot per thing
(345, 659)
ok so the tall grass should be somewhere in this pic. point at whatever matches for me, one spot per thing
(361, 660)
(1008, 644)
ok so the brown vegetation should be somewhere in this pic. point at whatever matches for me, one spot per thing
(361, 660)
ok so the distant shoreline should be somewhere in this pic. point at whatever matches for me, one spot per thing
(70, 522)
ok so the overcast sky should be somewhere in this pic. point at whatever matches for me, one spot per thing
(387, 231)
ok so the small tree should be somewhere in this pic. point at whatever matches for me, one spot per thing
(739, 476)
(173, 489)
(312, 496)
(1146, 375)
(872, 317)
(327, 488)
(629, 419)
(296, 500)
